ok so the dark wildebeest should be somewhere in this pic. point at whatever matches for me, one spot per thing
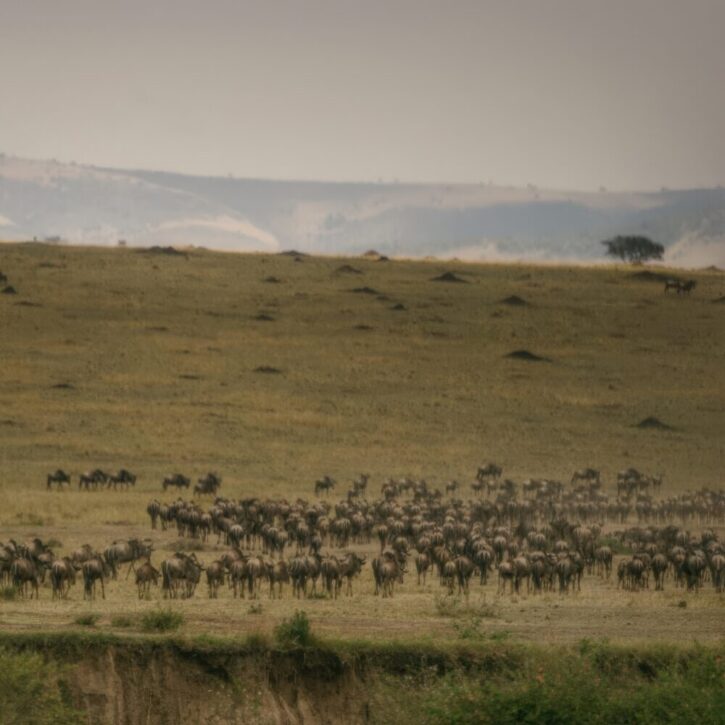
(94, 570)
(490, 470)
(62, 576)
(180, 568)
(324, 484)
(146, 575)
(177, 480)
(154, 511)
(387, 569)
(92, 479)
(672, 283)
(208, 485)
(123, 477)
(590, 475)
(686, 287)
(214, 577)
(26, 572)
(123, 552)
(60, 478)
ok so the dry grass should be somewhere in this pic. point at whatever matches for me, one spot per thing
(161, 354)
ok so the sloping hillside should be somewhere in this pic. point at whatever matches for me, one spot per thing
(91, 205)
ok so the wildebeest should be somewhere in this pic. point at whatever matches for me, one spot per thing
(208, 485)
(324, 484)
(94, 570)
(62, 576)
(590, 475)
(146, 575)
(176, 480)
(92, 479)
(214, 577)
(123, 477)
(59, 477)
(489, 470)
(26, 572)
(126, 552)
(180, 569)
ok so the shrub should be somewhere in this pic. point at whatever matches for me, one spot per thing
(255, 608)
(121, 620)
(294, 632)
(87, 620)
(30, 692)
(8, 594)
(161, 620)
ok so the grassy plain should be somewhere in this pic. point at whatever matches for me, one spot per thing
(116, 357)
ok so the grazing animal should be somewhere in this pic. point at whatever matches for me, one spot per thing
(62, 577)
(94, 570)
(59, 477)
(324, 485)
(176, 480)
(146, 576)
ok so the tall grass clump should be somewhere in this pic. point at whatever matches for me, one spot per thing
(8, 594)
(87, 620)
(31, 693)
(161, 620)
(294, 632)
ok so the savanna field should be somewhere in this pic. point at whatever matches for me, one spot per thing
(274, 370)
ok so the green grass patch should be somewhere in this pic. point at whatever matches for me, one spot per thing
(162, 620)
(87, 620)
(8, 594)
(294, 632)
(122, 621)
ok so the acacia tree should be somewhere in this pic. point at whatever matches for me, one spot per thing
(633, 249)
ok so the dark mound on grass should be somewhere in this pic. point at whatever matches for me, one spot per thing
(400, 307)
(365, 291)
(526, 355)
(63, 386)
(449, 277)
(9, 290)
(647, 275)
(348, 269)
(264, 318)
(272, 280)
(653, 423)
(363, 327)
(719, 301)
(169, 251)
(514, 301)
(26, 303)
(189, 376)
(267, 369)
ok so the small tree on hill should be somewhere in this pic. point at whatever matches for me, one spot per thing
(633, 249)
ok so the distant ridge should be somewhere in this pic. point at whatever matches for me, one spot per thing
(51, 201)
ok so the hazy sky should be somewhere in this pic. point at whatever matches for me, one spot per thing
(562, 93)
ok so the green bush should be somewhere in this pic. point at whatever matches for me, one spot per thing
(161, 620)
(87, 620)
(121, 620)
(586, 689)
(8, 594)
(294, 632)
(30, 692)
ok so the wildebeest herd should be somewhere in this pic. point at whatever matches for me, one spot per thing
(539, 536)
(98, 479)
(92, 480)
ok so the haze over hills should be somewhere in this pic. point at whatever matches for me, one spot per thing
(92, 205)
